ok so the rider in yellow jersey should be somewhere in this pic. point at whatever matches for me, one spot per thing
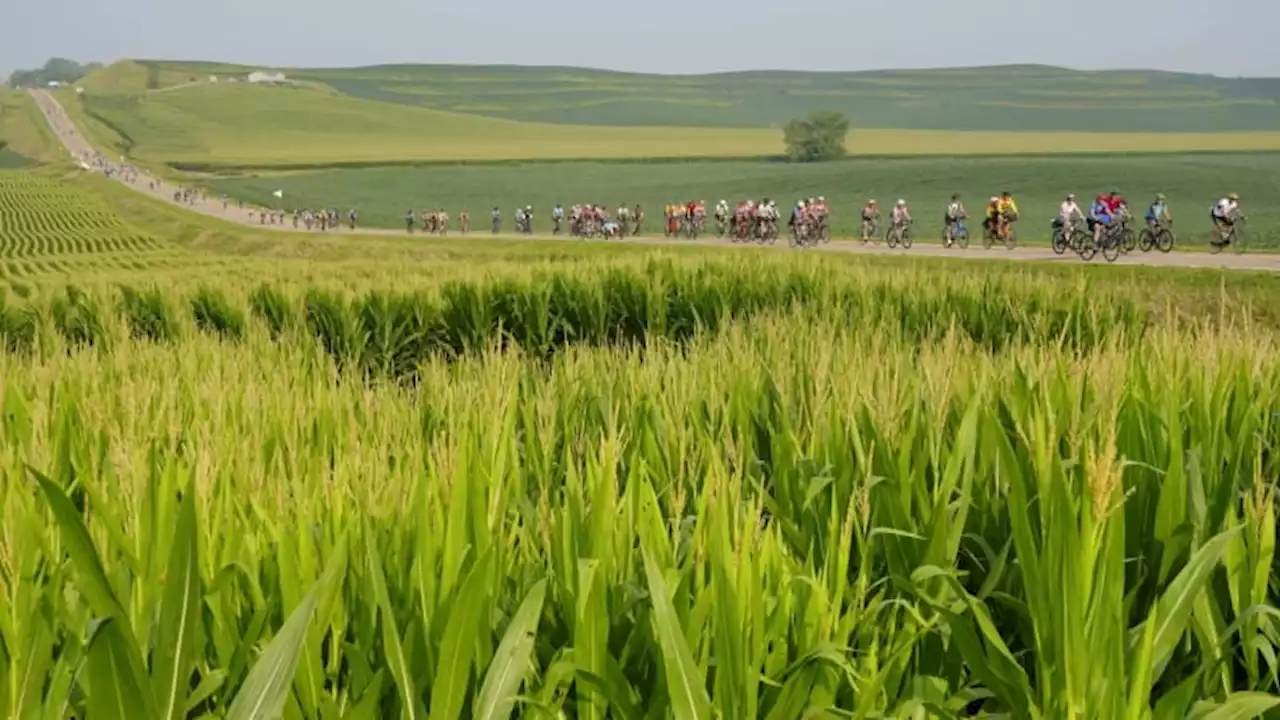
(1006, 214)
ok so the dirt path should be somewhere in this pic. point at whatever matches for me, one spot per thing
(84, 152)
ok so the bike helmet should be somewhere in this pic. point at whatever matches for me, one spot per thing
(994, 199)
(871, 202)
(1114, 191)
(1233, 197)
(901, 201)
(1160, 196)
(822, 198)
(1071, 196)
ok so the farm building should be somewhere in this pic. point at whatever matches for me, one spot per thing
(267, 78)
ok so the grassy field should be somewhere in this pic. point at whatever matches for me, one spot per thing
(1002, 98)
(238, 125)
(174, 115)
(23, 132)
(1192, 183)
(256, 474)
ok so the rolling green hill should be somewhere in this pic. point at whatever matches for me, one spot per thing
(1025, 97)
(204, 117)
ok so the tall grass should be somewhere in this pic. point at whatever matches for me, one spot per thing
(78, 318)
(148, 314)
(388, 333)
(214, 313)
(796, 516)
(17, 326)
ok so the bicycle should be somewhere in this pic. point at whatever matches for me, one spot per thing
(989, 238)
(870, 230)
(1117, 240)
(899, 233)
(955, 233)
(1234, 237)
(1071, 237)
(1160, 239)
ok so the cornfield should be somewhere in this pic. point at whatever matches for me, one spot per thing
(639, 490)
(50, 227)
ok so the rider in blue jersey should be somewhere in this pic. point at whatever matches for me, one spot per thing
(1100, 216)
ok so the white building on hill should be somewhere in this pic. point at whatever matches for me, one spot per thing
(267, 78)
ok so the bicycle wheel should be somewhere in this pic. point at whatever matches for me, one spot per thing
(1164, 240)
(987, 240)
(891, 238)
(1011, 239)
(962, 239)
(1111, 248)
(1237, 238)
(1086, 247)
(906, 238)
(1146, 240)
(1059, 242)
(1127, 241)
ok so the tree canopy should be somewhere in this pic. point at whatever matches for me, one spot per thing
(818, 137)
(55, 70)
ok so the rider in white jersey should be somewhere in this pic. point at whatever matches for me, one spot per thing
(901, 214)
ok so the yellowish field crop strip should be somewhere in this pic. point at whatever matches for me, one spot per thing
(214, 126)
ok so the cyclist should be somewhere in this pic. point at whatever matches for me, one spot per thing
(992, 215)
(1100, 217)
(870, 217)
(1007, 214)
(901, 215)
(954, 218)
(1224, 216)
(1158, 214)
(1068, 213)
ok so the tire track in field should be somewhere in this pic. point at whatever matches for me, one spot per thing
(80, 149)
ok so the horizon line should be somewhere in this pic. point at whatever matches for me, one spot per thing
(713, 73)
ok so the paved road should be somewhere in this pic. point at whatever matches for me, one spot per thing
(83, 151)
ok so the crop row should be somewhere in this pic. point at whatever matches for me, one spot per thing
(393, 332)
(38, 206)
(76, 244)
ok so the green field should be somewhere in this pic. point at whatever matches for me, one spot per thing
(175, 115)
(1022, 98)
(25, 138)
(1192, 183)
(372, 477)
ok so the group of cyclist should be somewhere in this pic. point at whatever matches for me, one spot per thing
(1107, 211)
(1110, 210)
(759, 220)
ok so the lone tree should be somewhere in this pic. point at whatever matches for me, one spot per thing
(816, 138)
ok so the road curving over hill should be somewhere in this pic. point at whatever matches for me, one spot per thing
(79, 148)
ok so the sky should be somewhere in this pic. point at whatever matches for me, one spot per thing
(1222, 37)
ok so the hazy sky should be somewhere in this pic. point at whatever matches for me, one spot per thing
(1225, 37)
